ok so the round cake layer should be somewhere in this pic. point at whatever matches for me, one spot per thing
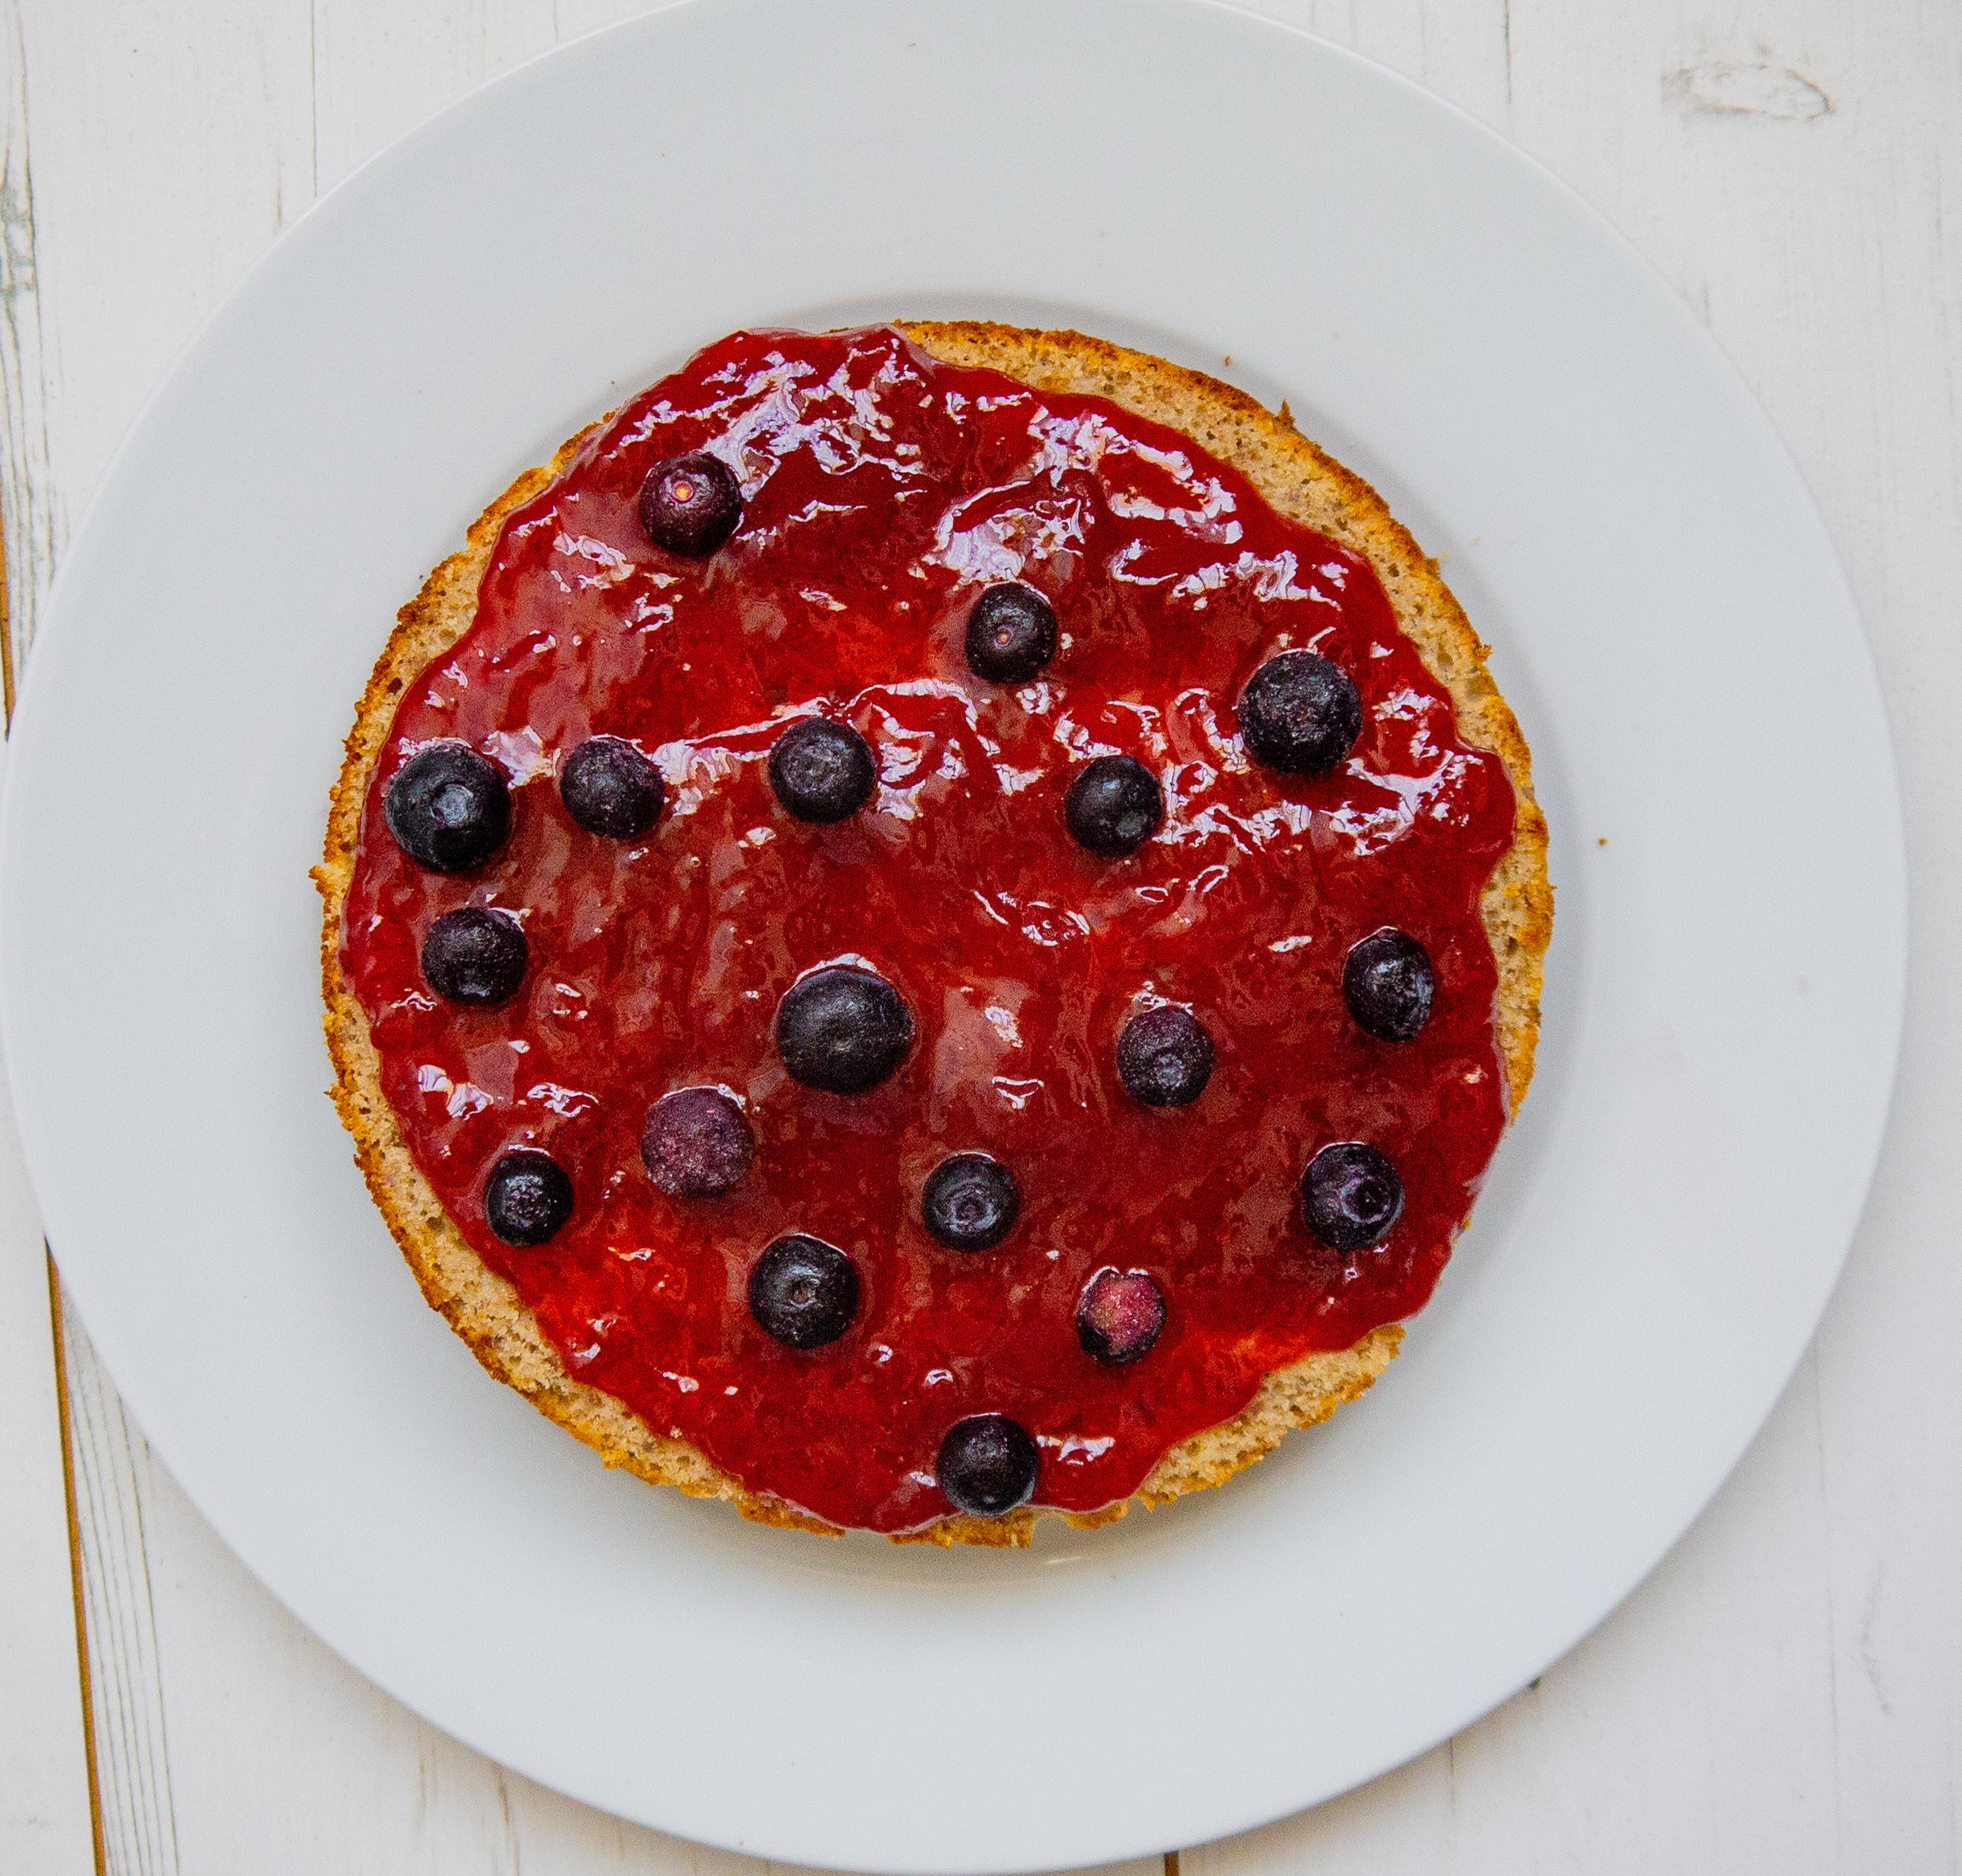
(883, 493)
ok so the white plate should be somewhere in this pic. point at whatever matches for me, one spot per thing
(1659, 1234)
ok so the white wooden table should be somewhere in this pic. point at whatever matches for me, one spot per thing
(1782, 1695)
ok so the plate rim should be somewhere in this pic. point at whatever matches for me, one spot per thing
(37, 1149)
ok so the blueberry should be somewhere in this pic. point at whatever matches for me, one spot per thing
(697, 1144)
(1165, 1057)
(528, 1197)
(1388, 984)
(843, 1029)
(1119, 1316)
(611, 789)
(1350, 1196)
(476, 955)
(971, 1202)
(691, 504)
(1011, 633)
(1114, 804)
(448, 808)
(821, 770)
(803, 1291)
(986, 1464)
(1299, 714)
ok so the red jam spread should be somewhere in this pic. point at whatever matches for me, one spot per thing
(882, 492)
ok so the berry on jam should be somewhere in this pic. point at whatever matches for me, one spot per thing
(448, 808)
(1351, 1196)
(474, 955)
(1114, 805)
(611, 789)
(1388, 984)
(697, 1144)
(1299, 714)
(803, 1291)
(1119, 1316)
(1011, 633)
(1165, 1057)
(843, 1029)
(986, 1465)
(691, 504)
(971, 1202)
(821, 770)
(528, 1197)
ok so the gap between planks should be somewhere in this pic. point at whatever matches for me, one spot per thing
(68, 1482)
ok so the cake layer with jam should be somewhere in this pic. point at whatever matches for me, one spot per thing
(931, 936)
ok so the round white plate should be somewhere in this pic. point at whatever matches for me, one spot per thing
(1659, 1234)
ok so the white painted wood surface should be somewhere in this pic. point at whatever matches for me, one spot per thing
(1782, 1697)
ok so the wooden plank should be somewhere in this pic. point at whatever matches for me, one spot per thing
(110, 1462)
(50, 1819)
(30, 512)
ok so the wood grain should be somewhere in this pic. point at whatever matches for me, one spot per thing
(136, 1819)
(1782, 1695)
(49, 1813)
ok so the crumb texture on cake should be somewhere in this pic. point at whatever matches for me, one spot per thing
(1300, 481)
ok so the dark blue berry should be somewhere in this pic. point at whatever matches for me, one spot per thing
(1299, 714)
(1011, 633)
(1388, 984)
(1350, 1196)
(971, 1202)
(691, 504)
(803, 1291)
(986, 1465)
(1114, 804)
(476, 955)
(1119, 1316)
(448, 808)
(611, 789)
(843, 1029)
(528, 1197)
(822, 770)
(697, 1144)
(1165, 1057)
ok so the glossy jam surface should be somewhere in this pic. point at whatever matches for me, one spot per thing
(883, 492)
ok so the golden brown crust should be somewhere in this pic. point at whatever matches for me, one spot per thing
(1300, 480)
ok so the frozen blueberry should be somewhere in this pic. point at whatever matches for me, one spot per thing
(697, 1143)
(1351, 1196)
(527, 1198)
(1388, 984)
(1299, 714)
(971, 1202)
(1011, 633)
(475, 954)
(1119, 1316)
(448, 808)
(1114, 804)
(843, 1029)
(821, 770)
(691, 504)
(803, 1291)
(1165, 1057)
(986, 1464)
(611, 789)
